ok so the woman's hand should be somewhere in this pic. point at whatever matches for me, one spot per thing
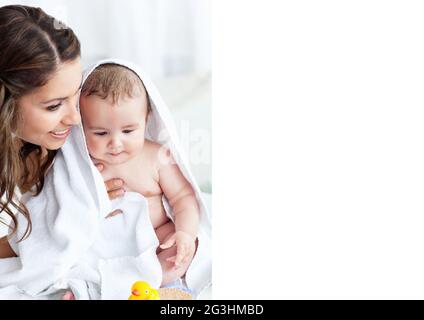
(114, 187)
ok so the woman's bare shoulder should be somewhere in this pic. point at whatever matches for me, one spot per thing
(5, 249)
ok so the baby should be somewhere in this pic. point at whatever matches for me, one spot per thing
(114, 108)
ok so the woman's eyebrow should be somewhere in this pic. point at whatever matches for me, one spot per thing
(51, 100)
(63, 98)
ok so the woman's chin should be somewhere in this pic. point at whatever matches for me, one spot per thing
(53, 146)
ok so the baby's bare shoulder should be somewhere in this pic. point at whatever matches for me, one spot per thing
(151, 149)
(157, 153)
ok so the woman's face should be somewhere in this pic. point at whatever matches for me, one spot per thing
(47, 114)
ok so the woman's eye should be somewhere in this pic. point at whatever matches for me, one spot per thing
(100, 133)
(127, 131)
(54, 108)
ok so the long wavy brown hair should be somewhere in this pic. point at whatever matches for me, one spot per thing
(32, 46)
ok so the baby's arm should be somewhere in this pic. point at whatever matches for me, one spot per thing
(182, 199)
(180, 195)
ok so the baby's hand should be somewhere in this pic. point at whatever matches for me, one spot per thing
(185, 247)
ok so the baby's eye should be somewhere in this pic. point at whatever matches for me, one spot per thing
(100, 133)
(127, 131)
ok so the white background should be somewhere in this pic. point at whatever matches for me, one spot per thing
(318, 131)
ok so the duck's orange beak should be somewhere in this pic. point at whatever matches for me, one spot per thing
(135, 293)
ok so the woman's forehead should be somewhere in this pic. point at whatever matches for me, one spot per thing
(64, 83)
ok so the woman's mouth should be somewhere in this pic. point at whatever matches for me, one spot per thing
(61, 134)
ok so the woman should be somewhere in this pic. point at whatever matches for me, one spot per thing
(40, 81)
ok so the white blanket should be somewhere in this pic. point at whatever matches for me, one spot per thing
(72, 245)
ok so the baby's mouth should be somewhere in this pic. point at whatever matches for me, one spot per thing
(114, 154)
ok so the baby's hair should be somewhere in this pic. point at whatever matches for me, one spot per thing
(115, 81)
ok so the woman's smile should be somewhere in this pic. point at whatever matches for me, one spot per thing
(61, 134)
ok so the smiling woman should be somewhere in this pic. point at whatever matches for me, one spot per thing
(40, 76)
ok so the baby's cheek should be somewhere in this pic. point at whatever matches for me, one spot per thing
(134, 145)
(140, 143)
(93, 146)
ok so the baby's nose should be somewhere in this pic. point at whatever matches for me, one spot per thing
(115, 143)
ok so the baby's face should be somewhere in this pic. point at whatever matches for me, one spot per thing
(114, 132)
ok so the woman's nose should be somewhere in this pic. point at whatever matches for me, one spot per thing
(72, 116)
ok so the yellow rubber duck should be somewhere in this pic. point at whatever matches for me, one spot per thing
(141, 290)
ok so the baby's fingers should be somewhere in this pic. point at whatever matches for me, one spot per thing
(171, 259)
(168, 243)
(181, 255)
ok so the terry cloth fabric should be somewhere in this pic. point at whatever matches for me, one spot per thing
(73, 246)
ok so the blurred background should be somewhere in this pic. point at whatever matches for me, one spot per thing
(170, 39)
